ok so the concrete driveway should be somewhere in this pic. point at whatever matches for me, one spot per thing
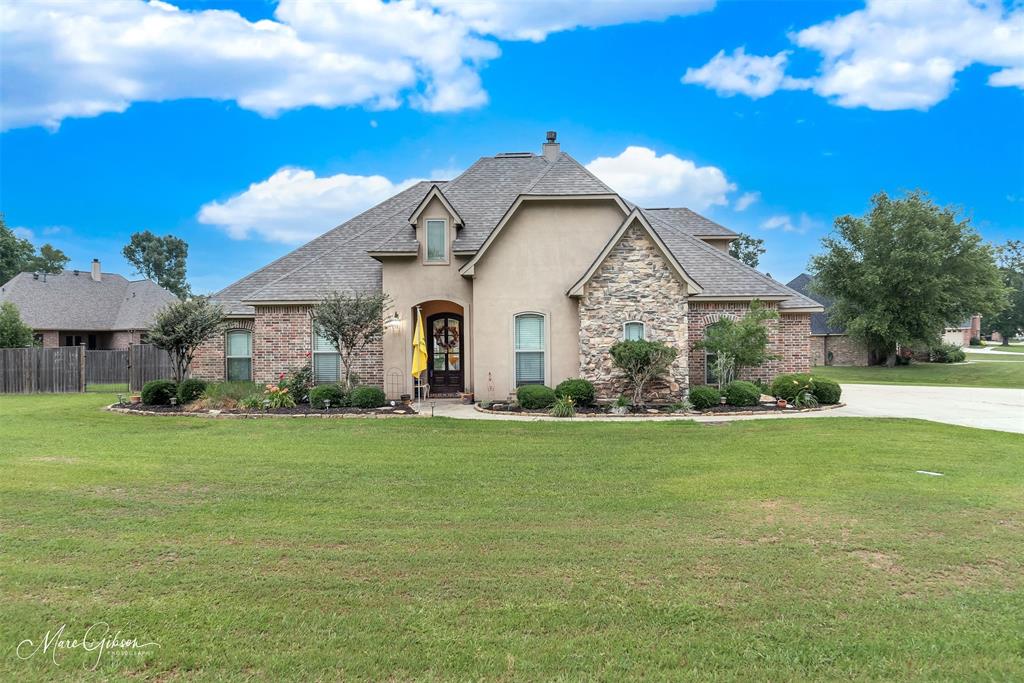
(999, 409)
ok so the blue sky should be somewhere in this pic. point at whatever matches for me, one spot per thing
(825, 104)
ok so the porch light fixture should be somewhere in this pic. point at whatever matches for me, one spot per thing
(393, 323)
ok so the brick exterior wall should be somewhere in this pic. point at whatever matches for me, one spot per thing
(844, 349)
(51, 338)
(124, 339)
(789, 338)
(634, 283)
(282, 339)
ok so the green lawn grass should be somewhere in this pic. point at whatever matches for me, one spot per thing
(438, 549)
(983, 357)
(1012, 348)
(107, 388)
(976, 373)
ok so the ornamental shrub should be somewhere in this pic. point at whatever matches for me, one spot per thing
(704, 397)
(534, 396)
(788, 386)
(976, 341)
(580, 391)
(327, 392)
(159, 392)
(367, 397)
(827, 391)
(740, 393)
(190, 390)
(947, 353)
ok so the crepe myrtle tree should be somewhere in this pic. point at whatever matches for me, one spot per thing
(744, 341)
(182, 327)
(901, 273)
(642, 361)
(351, 322)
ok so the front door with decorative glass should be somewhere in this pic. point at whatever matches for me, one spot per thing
(444, 353)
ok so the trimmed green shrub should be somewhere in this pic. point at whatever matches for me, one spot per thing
(827, 391)
(788, 386)
(581, 391)
(704, 397)
(534, 396)
(563, 406)
(976, 341)
(367, 397)
(190, 390)
(327, 392)
(740, 393)
(159, 392)
(947, 353)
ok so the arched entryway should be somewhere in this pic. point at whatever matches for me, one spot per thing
(446, 359)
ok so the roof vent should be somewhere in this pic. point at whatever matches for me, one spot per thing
(514, 155)
(35, 275)
(552, 135)
(76, 272)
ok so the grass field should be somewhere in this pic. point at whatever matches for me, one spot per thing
(436, 549)
(986, 371)
(1012, 348)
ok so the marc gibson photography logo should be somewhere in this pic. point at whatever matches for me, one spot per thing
(97, 640)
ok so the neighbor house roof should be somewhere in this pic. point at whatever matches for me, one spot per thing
(346, 257)
(819, 321)
(70, 301)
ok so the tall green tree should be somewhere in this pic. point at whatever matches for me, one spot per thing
(901, 273)
(1009, 321)
(747, 249)
(17, 255)
(14, 334)
(160, 259)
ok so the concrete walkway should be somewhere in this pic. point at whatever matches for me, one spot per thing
(998, 409)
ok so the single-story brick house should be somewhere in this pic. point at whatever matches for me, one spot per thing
(85, 308)
(526, 268)
(831, 345)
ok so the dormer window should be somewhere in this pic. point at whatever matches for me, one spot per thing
(437, 241)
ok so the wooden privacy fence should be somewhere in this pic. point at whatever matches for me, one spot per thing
(71, 368)
(27, 371)
(146, 363)
(106, 367)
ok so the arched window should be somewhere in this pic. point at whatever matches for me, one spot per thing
(239, 356)
(529, 348)
(633, 331)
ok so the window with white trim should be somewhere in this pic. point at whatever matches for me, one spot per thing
(529, 349)
(326, 360)
(238, 352)
(437, 242)
(633, 331)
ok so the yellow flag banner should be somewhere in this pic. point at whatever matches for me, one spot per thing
(419, 348)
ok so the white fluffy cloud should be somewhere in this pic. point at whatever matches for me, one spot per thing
(746, 199)
(64, 59)
(295, 205)
(639, 174)
(802, 224)
(740, 73)
(891, 55)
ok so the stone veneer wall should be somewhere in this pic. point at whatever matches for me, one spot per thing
(789, 338)
(633, 284)
(282, 339)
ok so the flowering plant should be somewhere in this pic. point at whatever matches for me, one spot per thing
(279, 395)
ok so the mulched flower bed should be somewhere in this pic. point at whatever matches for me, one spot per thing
(605, 410)
(303, 409)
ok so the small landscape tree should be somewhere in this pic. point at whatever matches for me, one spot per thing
(14, 334)
(351, 323)
(743, 341)
(642, 361)
(904, 271)
(182, 327)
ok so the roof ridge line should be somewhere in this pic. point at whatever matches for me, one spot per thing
(306, 244)
(335, 248)
(540, 177)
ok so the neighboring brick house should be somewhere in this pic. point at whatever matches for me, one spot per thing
(830, 345)
(85, 308)
(526, 269)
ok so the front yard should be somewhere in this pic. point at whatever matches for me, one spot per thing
(981, 370)
(439, 549)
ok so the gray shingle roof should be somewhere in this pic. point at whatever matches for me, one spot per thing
(338, 259)
(819, 321)
(65, 301)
